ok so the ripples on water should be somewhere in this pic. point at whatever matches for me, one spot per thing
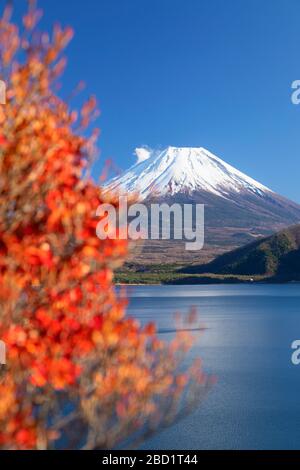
(247, 344)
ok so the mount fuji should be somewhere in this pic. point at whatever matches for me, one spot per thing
(237, 208)
(185, 170)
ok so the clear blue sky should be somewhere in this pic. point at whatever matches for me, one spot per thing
(211, 73)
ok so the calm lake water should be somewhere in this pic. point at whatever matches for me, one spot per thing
(247, 344)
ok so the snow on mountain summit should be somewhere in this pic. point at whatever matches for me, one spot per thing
(184, 170)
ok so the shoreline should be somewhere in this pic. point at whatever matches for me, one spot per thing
(174, 274)
(265, 281)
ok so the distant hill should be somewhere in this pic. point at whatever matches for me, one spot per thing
(276, 256)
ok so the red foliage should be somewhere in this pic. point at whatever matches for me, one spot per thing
(68, 340)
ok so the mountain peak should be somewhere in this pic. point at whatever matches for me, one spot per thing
(186, 170)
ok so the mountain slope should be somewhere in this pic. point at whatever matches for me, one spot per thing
(277, 255)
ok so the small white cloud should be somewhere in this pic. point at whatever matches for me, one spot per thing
(142, 154)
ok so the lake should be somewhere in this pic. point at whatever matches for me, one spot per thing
(247, 345)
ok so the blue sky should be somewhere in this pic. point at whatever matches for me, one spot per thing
(209, 73)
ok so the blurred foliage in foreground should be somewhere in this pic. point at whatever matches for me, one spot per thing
(79, 374)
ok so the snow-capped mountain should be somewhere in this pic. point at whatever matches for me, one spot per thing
(184, 170)
(237, 208)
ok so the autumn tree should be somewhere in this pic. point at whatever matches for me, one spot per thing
(79, 374)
